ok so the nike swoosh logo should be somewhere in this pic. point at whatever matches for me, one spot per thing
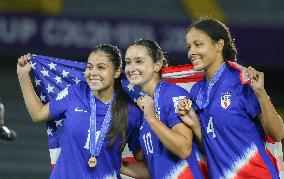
(79, 110)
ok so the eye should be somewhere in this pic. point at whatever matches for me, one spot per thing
(127, 62)
(139, 61)
(198, 44)
(101, 67)
(188, 47)
(89, 66)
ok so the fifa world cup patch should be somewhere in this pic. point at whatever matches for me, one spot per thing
(226, 100)
(176, 100)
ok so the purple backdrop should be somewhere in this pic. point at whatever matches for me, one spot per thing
(70, 35)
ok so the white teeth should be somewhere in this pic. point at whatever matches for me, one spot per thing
(134, 75)
(95, 81)
(196, 61)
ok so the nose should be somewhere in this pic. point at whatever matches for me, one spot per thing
(94, 72)
(191, 52)
(130, 67)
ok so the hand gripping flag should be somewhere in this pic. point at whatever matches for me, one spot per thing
(53, 75)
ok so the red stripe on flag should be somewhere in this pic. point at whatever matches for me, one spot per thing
(192, 78)
(178, 68)
(128, 159)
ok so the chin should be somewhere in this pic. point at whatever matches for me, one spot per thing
(134, 82)
(198, 67)
(95, 87)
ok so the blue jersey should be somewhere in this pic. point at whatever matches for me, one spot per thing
(161, 162)
(232, 135)
(72, 105)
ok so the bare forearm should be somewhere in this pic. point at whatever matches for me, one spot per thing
(198, 136)
(135, 170)
(271, 121)
(194, 125)
(173, 140)
(33, 104)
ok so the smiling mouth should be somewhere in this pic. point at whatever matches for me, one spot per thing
(95, 81)
(134, 76)
(196, 61)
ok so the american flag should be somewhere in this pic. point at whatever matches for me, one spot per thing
(53, 75)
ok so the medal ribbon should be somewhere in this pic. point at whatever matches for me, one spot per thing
(156, 98)
(214, 79)
(95, 146)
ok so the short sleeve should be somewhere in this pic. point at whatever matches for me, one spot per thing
(58, 106)
(193, 95)
(250, 102)
(135, 118)
(173, 97)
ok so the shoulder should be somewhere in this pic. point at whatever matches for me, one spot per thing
(196, 87)
(170, 89)
(232, 78)
(75, 90)
(80, 89)
(237, 82)
(172, 94)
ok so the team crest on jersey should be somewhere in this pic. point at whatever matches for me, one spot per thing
(226, 100)
(176, 100)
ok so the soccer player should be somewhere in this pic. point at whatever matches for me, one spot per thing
(96, 115)
(165, 140)
(232, 115)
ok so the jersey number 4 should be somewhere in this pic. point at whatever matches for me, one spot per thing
(210, 128)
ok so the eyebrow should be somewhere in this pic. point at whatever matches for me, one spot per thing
(138, 58)
(97, 64)
(195, 41)
(135, 58)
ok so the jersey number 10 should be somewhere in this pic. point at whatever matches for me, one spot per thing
(148, 143)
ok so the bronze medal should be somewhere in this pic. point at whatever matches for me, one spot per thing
(92, 161)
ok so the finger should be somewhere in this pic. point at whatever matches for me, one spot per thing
(139, 104)
(26, 58)
(251, 72)
(180, 107)
(148, 98)
(21, 61)
(257, 74)
(181, 113)
(261, 74)
(139, 99)
(182, 102)
(29, 57)
(187, 104)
